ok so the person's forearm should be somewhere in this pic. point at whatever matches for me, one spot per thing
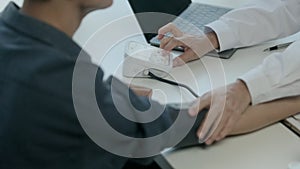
(257, 22)
(278, 76)
(262, 115)
(212, 36)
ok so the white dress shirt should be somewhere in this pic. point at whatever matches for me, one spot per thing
(258, 21)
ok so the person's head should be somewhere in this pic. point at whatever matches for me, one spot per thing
(85, 6)
(65, 15)
(95, 4)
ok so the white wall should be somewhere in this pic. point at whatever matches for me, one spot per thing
(3, 3)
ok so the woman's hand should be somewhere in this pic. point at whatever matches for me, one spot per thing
(195, 46)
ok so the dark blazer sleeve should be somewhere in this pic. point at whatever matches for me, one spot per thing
(113, 96)
(130, 116)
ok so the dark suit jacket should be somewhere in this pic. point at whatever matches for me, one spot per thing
(38, 123)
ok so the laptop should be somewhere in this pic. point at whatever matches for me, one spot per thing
(293, 123)
(187, 16)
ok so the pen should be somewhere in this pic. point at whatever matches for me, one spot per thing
(279, 46)
(167, 35)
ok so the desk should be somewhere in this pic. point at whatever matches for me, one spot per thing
(273, 147)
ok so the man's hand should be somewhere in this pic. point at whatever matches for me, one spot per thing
(195, 46)
(226, 106)
(141, 91)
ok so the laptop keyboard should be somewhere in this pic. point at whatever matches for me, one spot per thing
(193, 20)
(195, 17)
(198, 15)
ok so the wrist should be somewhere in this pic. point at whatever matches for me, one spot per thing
(244, 89)
(213, 38)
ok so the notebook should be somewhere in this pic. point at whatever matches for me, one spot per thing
(189, 15)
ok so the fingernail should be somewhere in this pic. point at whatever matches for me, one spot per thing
(193, 111)
(201, 141)
(201, 136)
(160, 36)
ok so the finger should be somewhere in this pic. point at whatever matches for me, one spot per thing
(142, 91)
(199, 104)
(187, 56)
(160, 36)
(209, 125)
(170, 27)
(227, 128)
(215, 135)
(173, 42)
(222, 121)
(201, 128)
(193, 111)
(164, 42)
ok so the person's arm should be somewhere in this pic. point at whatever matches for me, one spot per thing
(256, 22)
(277, 77)
(140, 126)
(262, 115)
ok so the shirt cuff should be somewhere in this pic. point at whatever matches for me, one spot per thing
(225, 34)
(257, 84)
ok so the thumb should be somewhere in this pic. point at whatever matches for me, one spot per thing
(170, 27)
(198, 105)
(187, 56)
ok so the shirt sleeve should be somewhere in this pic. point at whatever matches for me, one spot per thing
(277, 77)
(256, 22)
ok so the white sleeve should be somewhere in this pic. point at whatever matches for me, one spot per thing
(277, 77)
(256, 22)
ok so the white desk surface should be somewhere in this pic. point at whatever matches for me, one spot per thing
(271, 148)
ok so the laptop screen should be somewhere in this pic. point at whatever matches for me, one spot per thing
(172, 7)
